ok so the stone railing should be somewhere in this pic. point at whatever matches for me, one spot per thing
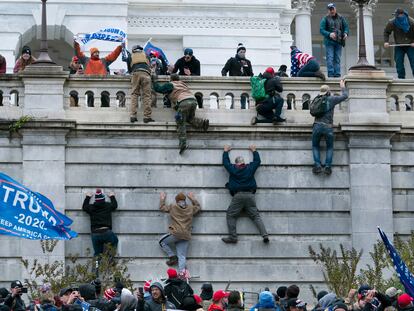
(223, 100)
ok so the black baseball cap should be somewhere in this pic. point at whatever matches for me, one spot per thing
(16, 283)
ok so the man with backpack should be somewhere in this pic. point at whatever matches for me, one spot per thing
(176, 289)
(322, 108)
(265, 90)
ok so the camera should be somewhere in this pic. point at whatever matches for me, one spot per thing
(141, 290)
(24, 290)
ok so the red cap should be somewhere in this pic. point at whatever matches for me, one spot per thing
(198, 299)
(404, 300)
(147, 286)
(270, 70)
(172, 273)
(220, 294)
(75, 59)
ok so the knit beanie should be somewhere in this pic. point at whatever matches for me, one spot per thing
(93, 50)
(180, 197)
(99, 196)
(172, 273)
(240, 47)
(26, 50)
(270, 70)
(109, 294)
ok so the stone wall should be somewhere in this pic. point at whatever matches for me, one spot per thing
(89, 147)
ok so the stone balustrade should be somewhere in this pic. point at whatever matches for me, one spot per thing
(219, 98)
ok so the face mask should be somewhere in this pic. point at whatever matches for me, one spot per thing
(182, 203)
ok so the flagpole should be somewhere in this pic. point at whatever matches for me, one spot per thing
(146, 43)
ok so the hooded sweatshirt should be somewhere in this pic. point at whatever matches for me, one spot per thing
(152, 305)
(266, 302)
(181, 218)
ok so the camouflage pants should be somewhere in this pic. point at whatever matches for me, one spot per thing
(186, 114)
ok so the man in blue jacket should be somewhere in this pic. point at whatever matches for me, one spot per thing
(334, 28)
(242, 187)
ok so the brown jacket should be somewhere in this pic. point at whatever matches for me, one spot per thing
(181, 218)
(180, 92)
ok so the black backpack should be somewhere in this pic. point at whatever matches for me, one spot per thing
(177, 292)
(319, 106)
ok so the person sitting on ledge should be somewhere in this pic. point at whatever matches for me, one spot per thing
(304, 65)
(270, 108)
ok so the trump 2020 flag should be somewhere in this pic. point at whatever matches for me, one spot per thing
(30, 215)
(406, 278)
(148, 47)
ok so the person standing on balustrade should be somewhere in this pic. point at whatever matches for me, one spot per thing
(2, 64)
(139, 66)
(402, 26)
(334, 28)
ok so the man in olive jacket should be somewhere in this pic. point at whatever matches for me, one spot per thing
(181, 215)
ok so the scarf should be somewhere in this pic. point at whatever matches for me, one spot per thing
(402, 22)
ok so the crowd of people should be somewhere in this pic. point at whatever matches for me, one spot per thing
(174, 293)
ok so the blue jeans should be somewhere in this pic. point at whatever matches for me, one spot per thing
(181, 246)
(399, 53)
(320, 130)
(100, 239)
(333, 59)
(309, 69)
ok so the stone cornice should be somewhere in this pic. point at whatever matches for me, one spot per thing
(303, 5)
(369, 8)
(201, 22)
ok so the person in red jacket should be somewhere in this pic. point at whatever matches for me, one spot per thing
(94, 65)
(2, 64)
(219, 300)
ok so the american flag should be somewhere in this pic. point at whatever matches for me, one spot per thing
(406, 278)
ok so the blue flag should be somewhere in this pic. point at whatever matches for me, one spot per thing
(30, 215)
(406, 278)
(149, 47)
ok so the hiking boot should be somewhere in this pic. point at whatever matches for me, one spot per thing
(319, 74)
(266, 239)
(183, 148)
(206, 124)
(317, 170)
(173, 260)
(229, 240)
(278, 120)
(133, 119)
(327, 170)
(148, 120)
(253, 121)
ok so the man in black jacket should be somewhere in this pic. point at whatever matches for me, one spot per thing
(176, 289)
(14, 300)
(238, 65)
(271, 107)
(101, 220)
(158, 301)
(242, 187)
(187, 65)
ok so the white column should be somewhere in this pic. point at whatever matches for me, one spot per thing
(303, 29)
(369, 32)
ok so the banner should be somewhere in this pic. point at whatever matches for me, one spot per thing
(107, 34)
(406, 278)
(30, 215)
(148, 47)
